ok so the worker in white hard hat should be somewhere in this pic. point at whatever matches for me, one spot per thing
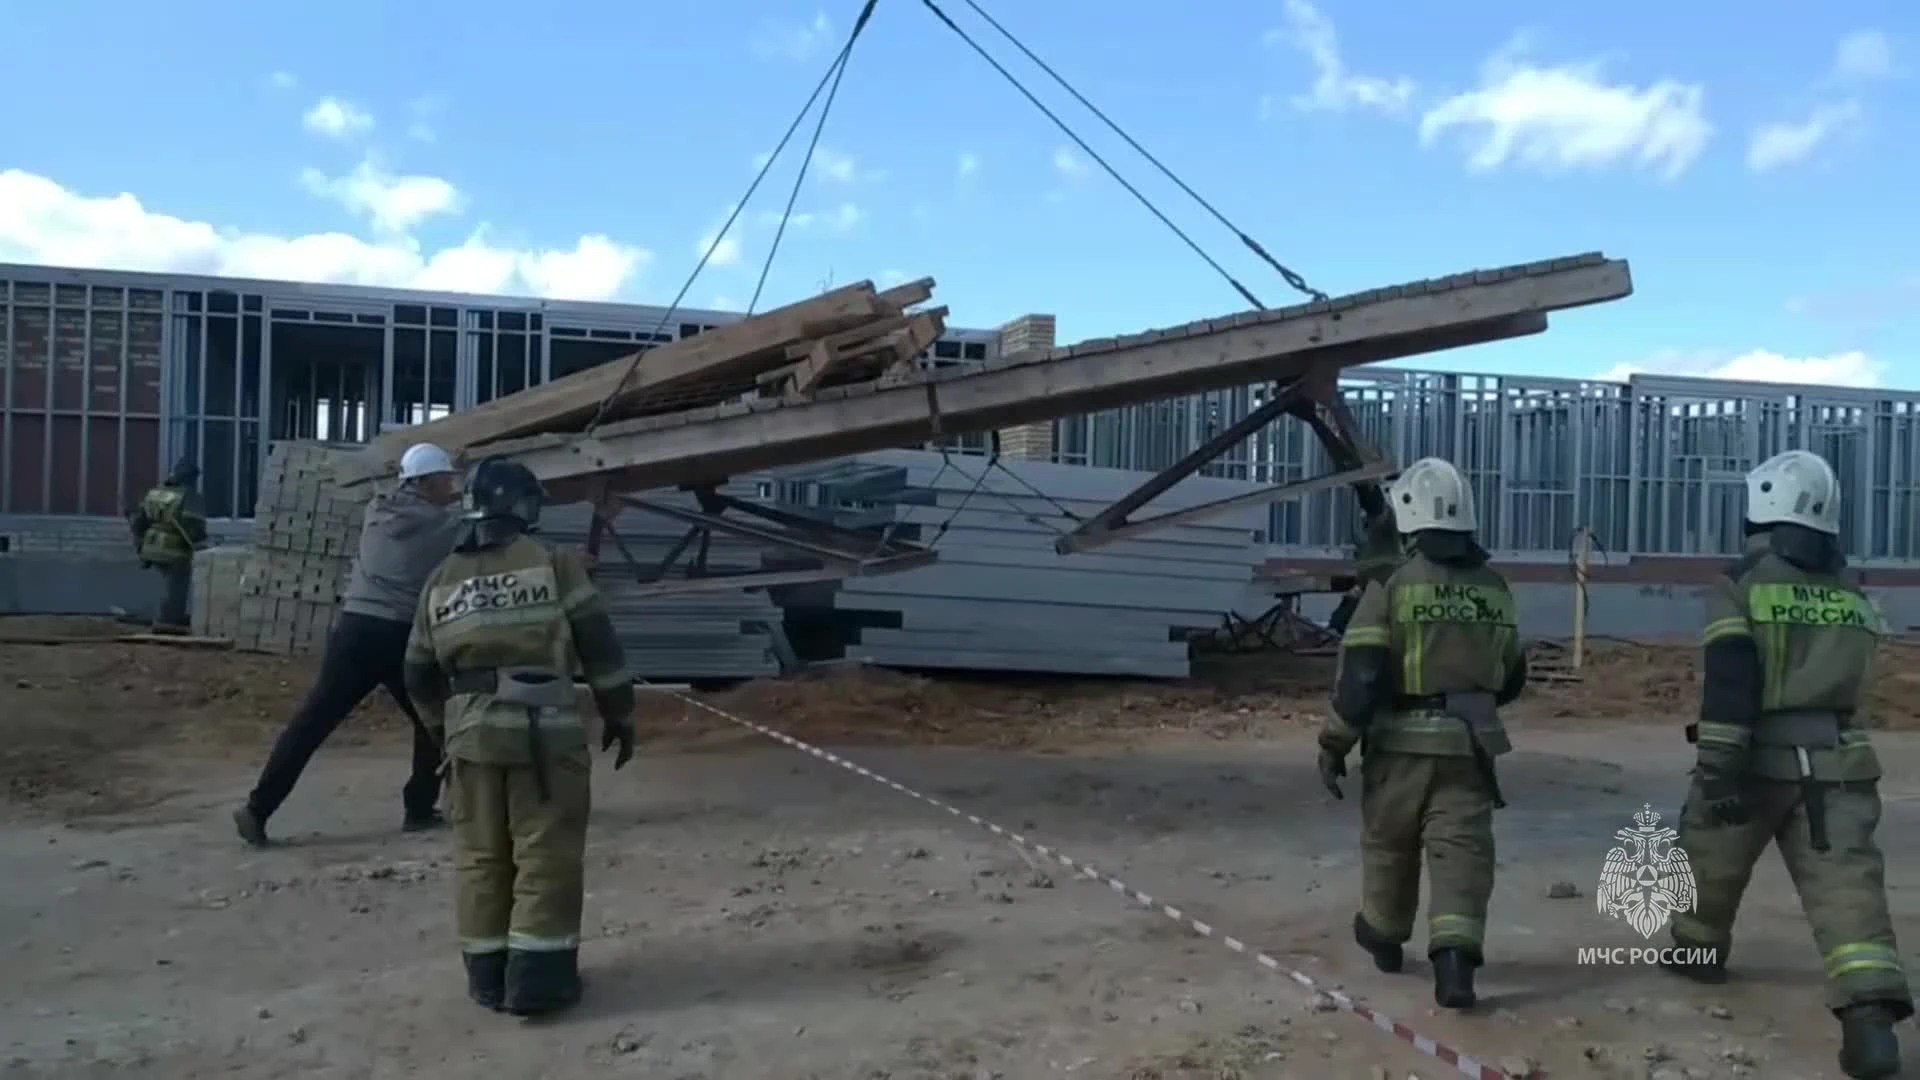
(407, 533)
(1430, 655)
(1784, 759)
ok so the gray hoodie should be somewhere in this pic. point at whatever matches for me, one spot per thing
(402, 540)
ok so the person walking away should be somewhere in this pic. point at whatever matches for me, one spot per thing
(168, 526)
(1783, 757)
(406, 533)
(503, 626)
(1428, 658)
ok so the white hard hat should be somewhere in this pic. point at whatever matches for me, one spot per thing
(424, 459)
(1795, 488)
(1431, 494)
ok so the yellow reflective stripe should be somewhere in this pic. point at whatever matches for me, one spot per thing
(1859, 957)
(1733, 626)
(1366, 637)
(610, 681)
(1725, 734)
(1455, 927)
(579, 597)
(1424, 722)
(480, 946)
(536, 943)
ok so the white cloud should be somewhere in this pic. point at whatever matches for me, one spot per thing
(1784, 143)
(793, 42)
(828, 164)
(1335, 89)
(43, 222)
(726, 253)
(394, 204)
(422, 110)
(1068, 164)
(1863, 55)
(283, 80)
(1569, 117)
(968, 165)
(337, 119)
(1852, 368)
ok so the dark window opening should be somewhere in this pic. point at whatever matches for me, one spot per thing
(513, 320)
(570, 356)
(446, 316)
(223, 303)
(974, 350)
(326, 382)
(946, 350)
(333, 316)
(223, 365)
(290, 313)
(410, 314)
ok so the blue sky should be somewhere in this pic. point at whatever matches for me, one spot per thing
(1758, 172)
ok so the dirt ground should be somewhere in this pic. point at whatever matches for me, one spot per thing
(755, 913)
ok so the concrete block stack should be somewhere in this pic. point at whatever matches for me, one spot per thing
(305, 532)
(219, 575)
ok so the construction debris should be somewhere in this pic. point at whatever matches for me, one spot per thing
(851, 334)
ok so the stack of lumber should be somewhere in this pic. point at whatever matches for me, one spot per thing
(1000, 598)
(676, 636)
(849, 335)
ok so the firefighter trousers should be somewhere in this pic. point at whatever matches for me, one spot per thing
(520, 859)
(1842, 890)
(1439, 806)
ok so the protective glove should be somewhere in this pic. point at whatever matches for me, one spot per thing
(1333, 766)
(1720, 795)
(620, 731)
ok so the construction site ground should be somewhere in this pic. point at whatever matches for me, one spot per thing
(757, 914)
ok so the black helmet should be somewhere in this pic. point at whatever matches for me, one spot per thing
(503, 488)
(184, 472)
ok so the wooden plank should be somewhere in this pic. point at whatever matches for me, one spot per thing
(189, 641)
(576, 397)
(732, 440)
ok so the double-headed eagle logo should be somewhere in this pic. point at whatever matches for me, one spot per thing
(1647, 879)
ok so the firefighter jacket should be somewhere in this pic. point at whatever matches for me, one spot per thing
(168, 525)
(1429, 655)
(1787, 655)
(493, 613)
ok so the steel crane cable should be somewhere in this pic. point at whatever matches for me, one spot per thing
(832, 75)
(813, 144)
(1067, 130)
(1292, 278)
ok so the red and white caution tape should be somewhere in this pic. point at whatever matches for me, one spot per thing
(1464, 1063)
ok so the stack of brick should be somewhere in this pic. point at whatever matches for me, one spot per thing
(305, 533)
(218, 577)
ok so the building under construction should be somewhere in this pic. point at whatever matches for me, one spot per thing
(108, 375)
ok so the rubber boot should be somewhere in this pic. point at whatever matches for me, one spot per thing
(1868, 1047)
(1453, 978)
(542, 982)
(1710, 974)
(1386, 954)
(486, 978)
(426, 822)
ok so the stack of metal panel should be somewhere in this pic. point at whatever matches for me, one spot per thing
(1000, 598)
(704, 635)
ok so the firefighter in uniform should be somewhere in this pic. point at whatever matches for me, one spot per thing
(503, 626)
(1783, 756)
(168, 526)
(1429, 656)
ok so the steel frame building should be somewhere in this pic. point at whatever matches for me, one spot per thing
(105, 376)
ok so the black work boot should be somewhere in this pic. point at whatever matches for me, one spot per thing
(541, 982)
(1453, 978)
(422, 822)
(1710, 973)
(1386, 954)
(250, 827)
(1868, 1047)
(486, 978)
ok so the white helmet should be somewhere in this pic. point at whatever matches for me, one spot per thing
(424, 459)
(1795, 488)
(1431, 494)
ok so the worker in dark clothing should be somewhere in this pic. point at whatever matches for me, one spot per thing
(1784, 758)
(407, 532)
(1376, 557)
(168, 526)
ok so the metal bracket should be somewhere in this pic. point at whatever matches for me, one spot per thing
(836, 552)
(1314, 398)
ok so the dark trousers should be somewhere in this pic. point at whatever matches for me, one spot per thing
(173, 596)
(363, 654)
